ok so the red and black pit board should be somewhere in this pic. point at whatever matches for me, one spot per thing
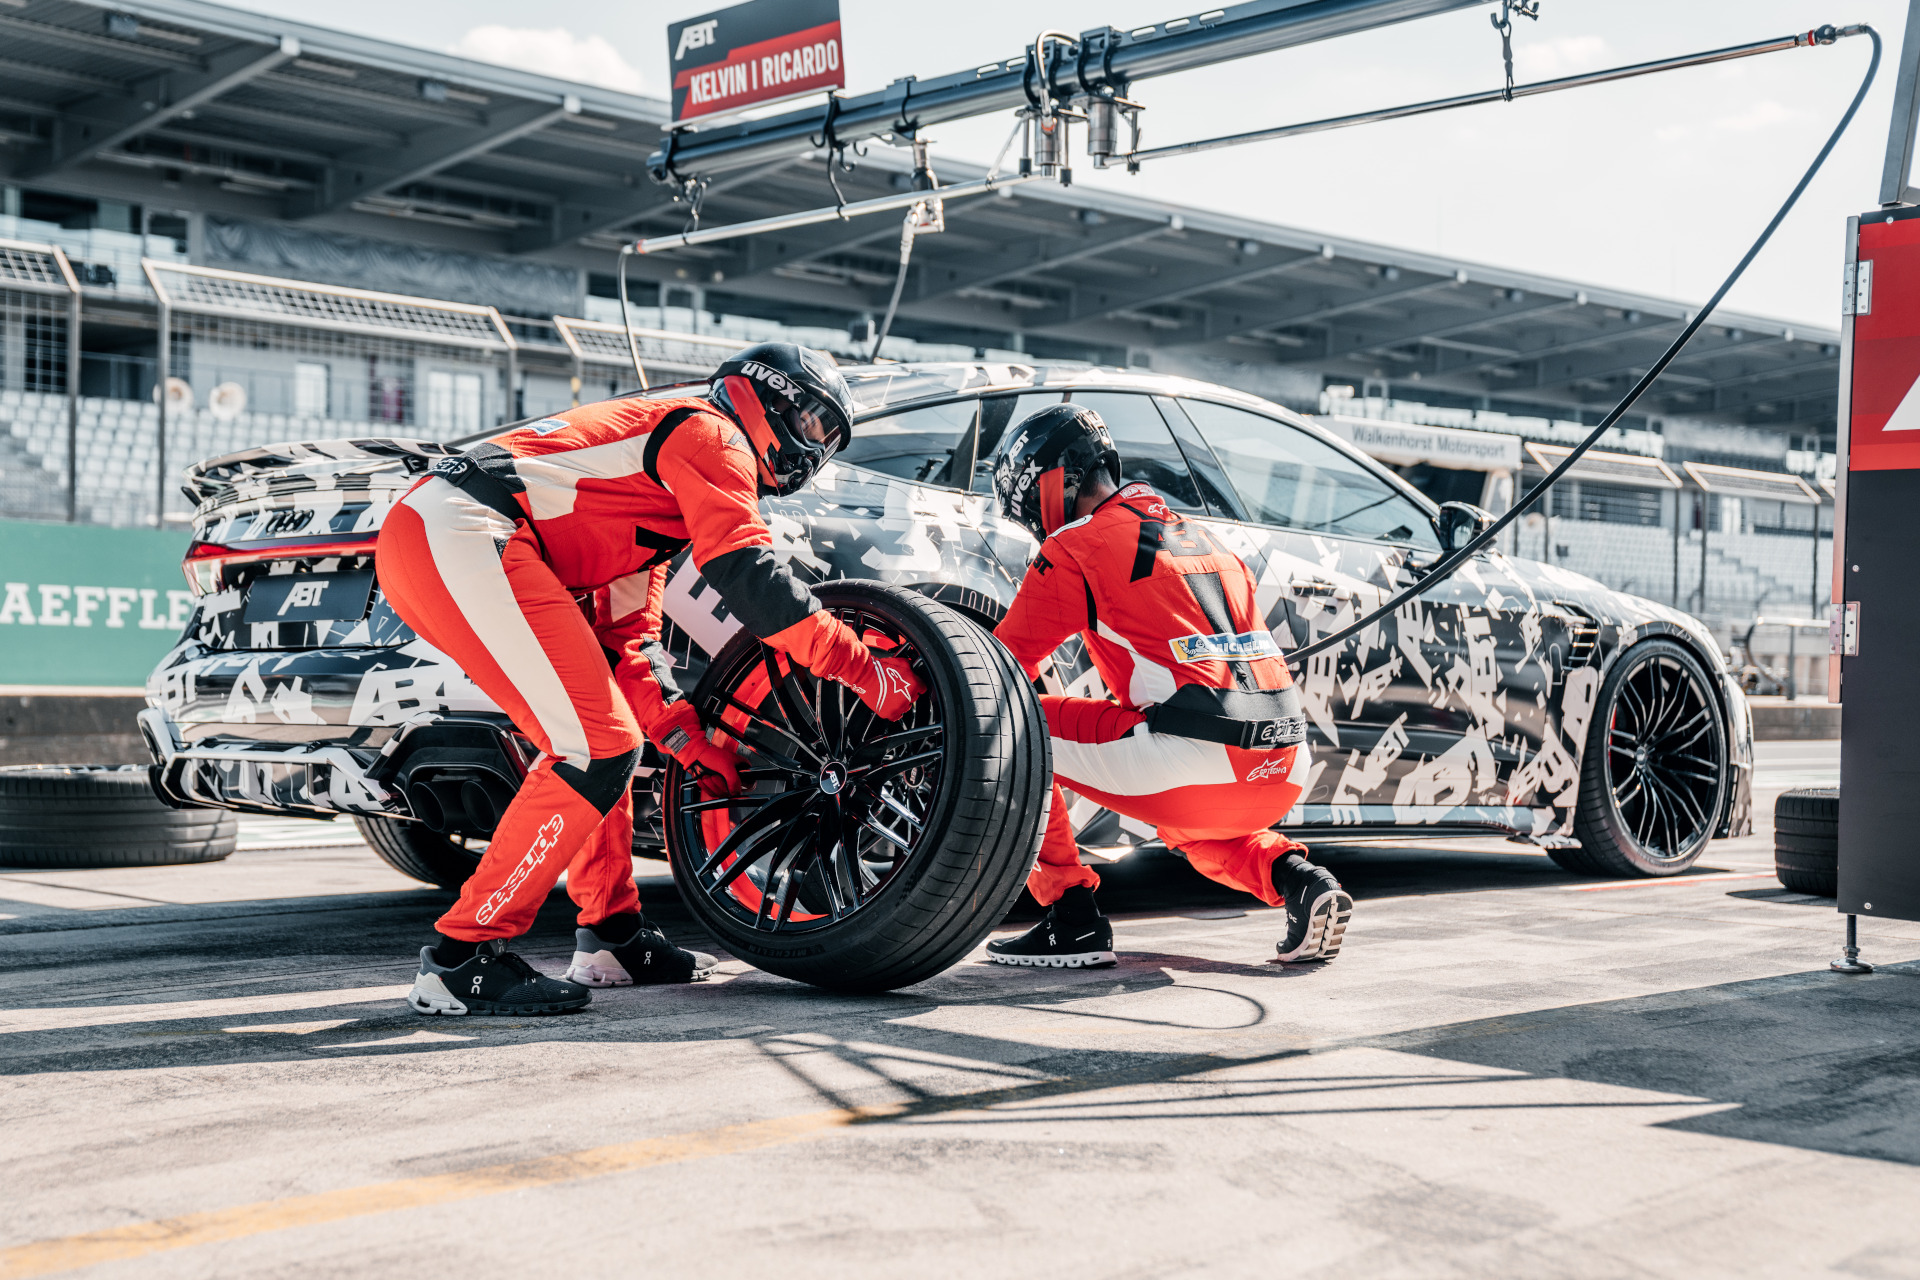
(1877, 569)
(752, 54)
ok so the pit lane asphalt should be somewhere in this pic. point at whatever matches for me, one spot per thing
(1509, 1072)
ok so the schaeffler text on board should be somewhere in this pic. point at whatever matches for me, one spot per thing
(753, 54)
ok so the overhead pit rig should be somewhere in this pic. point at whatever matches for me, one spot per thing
(1062, 81)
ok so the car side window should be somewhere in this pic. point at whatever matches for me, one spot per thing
(1147, 448)
(1290, 480)
(929, 446)
(997, 415)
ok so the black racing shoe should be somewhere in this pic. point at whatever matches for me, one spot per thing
(1317, 909)
(493, 982)
(645, 959)
(1072, 935)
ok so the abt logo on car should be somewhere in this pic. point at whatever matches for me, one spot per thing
(304, 596)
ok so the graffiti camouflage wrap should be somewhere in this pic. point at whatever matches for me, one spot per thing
(1471, 707)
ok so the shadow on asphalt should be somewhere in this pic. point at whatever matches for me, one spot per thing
(1163, 882)
(1812, 1060)
(1817, 1060)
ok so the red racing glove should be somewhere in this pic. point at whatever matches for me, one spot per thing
(889, 687)
(828, 647)
(680, 734)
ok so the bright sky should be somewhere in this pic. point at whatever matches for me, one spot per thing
(1655, 185)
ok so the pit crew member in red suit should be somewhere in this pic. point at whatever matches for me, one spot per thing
(1203, 736)
(485, 557)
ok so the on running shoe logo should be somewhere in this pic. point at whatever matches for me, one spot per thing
(543, 842)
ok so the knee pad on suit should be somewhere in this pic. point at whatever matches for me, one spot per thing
(603, 781)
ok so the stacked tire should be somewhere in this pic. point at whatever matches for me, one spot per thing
(1806, 840)
(76, 816)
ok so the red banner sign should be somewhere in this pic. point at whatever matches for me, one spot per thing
(1883, 432)
(752, 54)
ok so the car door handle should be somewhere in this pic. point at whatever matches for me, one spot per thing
(1317, 587)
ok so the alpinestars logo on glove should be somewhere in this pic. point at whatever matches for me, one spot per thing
(890, 680)
(543, 842)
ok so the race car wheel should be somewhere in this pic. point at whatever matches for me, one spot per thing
(1654, 778)
(412, 850)
(863, 854)
(72, 816)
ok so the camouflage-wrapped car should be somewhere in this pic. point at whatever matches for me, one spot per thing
(1514, 698)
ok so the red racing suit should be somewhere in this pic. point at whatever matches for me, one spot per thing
(1200, 691)
(484, 559)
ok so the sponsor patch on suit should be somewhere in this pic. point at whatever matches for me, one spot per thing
(1225, 647)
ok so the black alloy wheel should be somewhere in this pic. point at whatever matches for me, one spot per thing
(863, 854)
(1654, 778)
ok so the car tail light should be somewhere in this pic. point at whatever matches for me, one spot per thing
(203, 567)
(207, 562)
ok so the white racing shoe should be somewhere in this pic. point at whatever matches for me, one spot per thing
(645, 959)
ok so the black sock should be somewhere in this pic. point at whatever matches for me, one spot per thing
(1291, 863)
(617, 929)
(451, 953)
(1077, 904)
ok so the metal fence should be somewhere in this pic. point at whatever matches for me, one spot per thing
(251, 360)
(39, 358)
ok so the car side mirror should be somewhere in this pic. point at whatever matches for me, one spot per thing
(1460, 523)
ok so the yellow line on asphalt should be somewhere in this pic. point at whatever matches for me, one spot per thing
(139, 1239)
(142, 1238)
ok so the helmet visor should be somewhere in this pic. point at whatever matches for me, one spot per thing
(813, 420)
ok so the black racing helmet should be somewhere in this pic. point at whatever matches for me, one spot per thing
(775, 390)
(1046, 462)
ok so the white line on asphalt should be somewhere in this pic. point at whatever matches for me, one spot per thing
(418, 1037)
(65, 1019)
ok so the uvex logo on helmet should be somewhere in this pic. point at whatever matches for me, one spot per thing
(776, 381)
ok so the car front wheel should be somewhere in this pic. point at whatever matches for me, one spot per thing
(1654, 777)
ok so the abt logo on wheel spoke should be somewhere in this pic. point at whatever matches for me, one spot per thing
(543, 843)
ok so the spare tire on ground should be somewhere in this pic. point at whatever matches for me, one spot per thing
(1806, 840)
(864, 855)
(76, 816)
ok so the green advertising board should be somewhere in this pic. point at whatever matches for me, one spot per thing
(88, 606)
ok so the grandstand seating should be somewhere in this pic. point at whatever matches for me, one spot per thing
(1747, 573)
(116, 455)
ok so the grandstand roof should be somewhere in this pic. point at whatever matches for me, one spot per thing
(184, 104)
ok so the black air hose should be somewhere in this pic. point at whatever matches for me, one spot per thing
(1450, 564)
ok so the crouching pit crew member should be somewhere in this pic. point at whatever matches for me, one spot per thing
(1204, 736)
(485, 557)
